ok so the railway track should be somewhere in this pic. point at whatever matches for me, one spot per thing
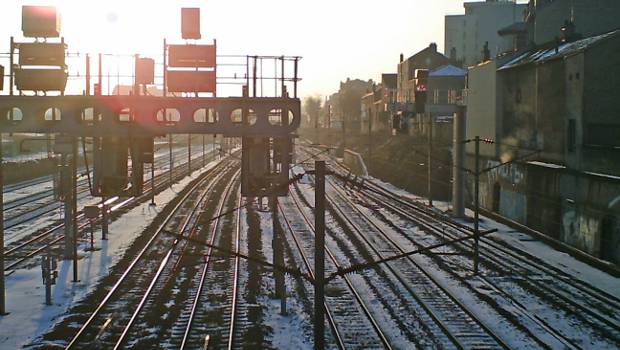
(192, 327)
(534, 283)
(22, 251)
(356, 325)
(137, 334)
(463, 328)
(20, 211)
(110, 325)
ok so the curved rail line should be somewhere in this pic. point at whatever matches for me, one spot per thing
(461, 325)
(592, 303)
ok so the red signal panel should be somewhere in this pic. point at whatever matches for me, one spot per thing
(190, 81)
(41, 79)
(42, 54)
(40, 22)
(190, 23)
(145, 71)
(202, 56)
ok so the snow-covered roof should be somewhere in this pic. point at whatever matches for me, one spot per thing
(447, 71)
(564, 50)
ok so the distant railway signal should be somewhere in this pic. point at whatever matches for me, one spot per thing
(40, 22)
(41, 65)
(190, 23)
(145, 70)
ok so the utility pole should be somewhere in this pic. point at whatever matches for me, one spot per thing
(458, 183)
(319, 255)
(2, 294)
(65, 181)
(171, 160)
(189, 154)
(204, 153)
(74, 228)
(369, 139)
(476, 204)
(344, 134)
(104, 219)
(430, 161)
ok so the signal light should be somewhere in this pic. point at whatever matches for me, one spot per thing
(40, 22)
(190, 23)
(487, 140)
(145, 71)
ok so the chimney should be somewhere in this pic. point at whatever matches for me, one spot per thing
(433, 47)
(402, 57)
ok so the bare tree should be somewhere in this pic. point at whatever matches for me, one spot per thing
(312, 109)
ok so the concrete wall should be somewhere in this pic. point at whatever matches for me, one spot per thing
(590, 212)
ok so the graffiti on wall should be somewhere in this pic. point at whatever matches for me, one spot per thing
(511, 173)
(580, 230)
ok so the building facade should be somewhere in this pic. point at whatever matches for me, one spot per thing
(467, 34)
(553, 113)
(544, 18)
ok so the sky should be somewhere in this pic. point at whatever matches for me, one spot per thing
(337, 38)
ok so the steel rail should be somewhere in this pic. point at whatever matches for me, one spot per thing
(188, 225)
(304, 257)
(358, 297)
(445, 327)
(135, 261)
(233, 313)
(500, 251)
(497, 254)
(206, 265)
(160, 178)
(53, 205)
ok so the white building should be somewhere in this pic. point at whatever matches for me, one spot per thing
(466, 35)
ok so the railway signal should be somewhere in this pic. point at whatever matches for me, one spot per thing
(49, 274)
(92, 213)
(123, 126)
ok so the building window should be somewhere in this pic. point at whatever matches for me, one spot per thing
(572, 135)
(577, 75)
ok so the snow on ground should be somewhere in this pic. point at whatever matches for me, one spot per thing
(533, 246)
(25, 294)
(290, 331)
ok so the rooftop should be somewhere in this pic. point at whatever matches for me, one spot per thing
(563, 50)
(447, 71)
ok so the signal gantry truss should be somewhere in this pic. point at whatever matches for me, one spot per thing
(123, 116)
